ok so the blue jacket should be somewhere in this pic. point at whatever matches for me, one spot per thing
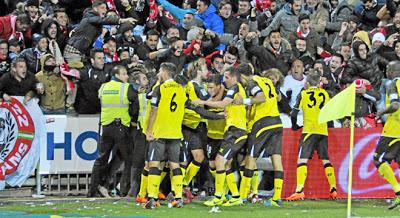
(211, 20)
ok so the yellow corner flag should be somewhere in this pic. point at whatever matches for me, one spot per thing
(342, 105)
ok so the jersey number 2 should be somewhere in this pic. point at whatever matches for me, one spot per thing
(173, 105)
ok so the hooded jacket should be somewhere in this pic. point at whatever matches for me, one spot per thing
(211, 20)
(341, 13)
(369, 68)
(60, 38)
(54, 86)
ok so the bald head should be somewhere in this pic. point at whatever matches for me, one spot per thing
(393, 69)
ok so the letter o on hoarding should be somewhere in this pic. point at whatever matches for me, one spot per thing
(79, 145)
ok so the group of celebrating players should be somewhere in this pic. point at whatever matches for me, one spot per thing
(237, 116)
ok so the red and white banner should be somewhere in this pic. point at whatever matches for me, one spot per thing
(366, 180)
(21, 127)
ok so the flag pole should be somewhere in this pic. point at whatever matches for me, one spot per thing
(350, 182)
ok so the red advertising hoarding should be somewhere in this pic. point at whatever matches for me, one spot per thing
(366, 180)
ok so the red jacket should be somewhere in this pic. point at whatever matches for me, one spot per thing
(5, 27)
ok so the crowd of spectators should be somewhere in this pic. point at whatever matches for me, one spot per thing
(61, 51)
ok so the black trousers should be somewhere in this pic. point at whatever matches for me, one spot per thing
(140, 149)
(115, 135)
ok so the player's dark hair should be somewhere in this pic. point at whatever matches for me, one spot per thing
(170, 68)
(245, 69)
(215, 79)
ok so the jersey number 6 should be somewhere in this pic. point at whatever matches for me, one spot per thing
(173, 105)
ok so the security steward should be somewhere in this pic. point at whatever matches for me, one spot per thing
(118, 99)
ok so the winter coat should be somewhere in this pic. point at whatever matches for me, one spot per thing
(232, 25)
(286, 20)
(211, 20)
(6, 29)
(318, 16)
(87, 101)
(369, 68)
(32, 57)
(88, 30)
(341, 13)
(368, 17)
(313, 41)
(54, 86)
(268, 58)
(11, 86)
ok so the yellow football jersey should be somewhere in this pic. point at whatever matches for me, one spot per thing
(311, 102)
(236, 114)
(392, 125)
(170, 99)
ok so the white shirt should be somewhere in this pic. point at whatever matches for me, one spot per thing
(295, 86)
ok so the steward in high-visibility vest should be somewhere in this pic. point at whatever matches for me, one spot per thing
(118, 105)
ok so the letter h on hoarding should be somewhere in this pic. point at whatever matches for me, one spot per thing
(51, 146)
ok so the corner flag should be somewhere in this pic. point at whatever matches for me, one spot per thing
(342, 105)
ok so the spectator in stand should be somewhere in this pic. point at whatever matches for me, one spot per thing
(365, 65)
(4, 58)
(366, 11)
(346, 33)
(12, 26)
(244, 7)
(231, 23)
(89, 29)
(92, 77)
(34, 54)
(275, 52)
(52, 99)
(14, 49)
(305, 30)
(286, 19)
(333, 74)
(300, 52)
(149, 46)
(319, 15)
(51, 30)
(294, 82)
(340, 14)
(125, 38)
(217, 64)
(19, 82)
(61, 17)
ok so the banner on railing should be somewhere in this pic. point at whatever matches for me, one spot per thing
(70, 145)
(21, 129)
(366, 180)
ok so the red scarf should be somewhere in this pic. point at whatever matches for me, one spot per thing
(263, 5)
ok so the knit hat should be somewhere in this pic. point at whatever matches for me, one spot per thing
(378, 37)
